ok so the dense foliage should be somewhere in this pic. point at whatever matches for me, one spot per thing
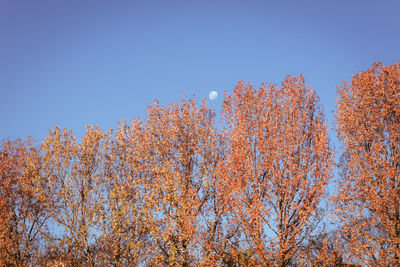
(180, 189)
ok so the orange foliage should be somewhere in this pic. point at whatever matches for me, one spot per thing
(175, 189)
(126, 239)
(75, 175)
(368, 118)
(22, 220)
(278, 166)
(179, 151)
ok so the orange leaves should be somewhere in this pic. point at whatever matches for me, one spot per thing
(278, 165)
(175, 189)
(369, 125)
(182, 144)
(74, 189)
(22, 212)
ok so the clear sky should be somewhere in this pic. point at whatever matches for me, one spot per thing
(77, 62)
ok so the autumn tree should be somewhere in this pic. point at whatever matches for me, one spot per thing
(278, 166)
(74, 190)
(126, 240)
(178, 156)
(368, 202)
(324, 248)
(23, 217)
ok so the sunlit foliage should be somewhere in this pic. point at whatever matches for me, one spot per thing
(183, 188)
(368, 116)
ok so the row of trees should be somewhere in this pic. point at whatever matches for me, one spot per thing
(175, 189)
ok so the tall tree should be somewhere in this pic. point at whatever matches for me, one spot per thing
(74, 191)
(278, 166)
(368, 120)
(23, 217)
(126, 240)
(180, 145)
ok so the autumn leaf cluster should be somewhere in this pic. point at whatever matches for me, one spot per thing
(181, 188)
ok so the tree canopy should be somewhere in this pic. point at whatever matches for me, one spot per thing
(181, 188)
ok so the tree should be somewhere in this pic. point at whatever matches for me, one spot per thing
(74, 190)
(22, 211)
(368, 201)
(278, 166)
(324, 249)
(179, 153)
(126, 240)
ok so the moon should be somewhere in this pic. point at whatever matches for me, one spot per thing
(213, 95)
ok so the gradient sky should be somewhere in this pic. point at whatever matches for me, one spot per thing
(73, 63)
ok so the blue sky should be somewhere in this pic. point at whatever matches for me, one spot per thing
(78, 62)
